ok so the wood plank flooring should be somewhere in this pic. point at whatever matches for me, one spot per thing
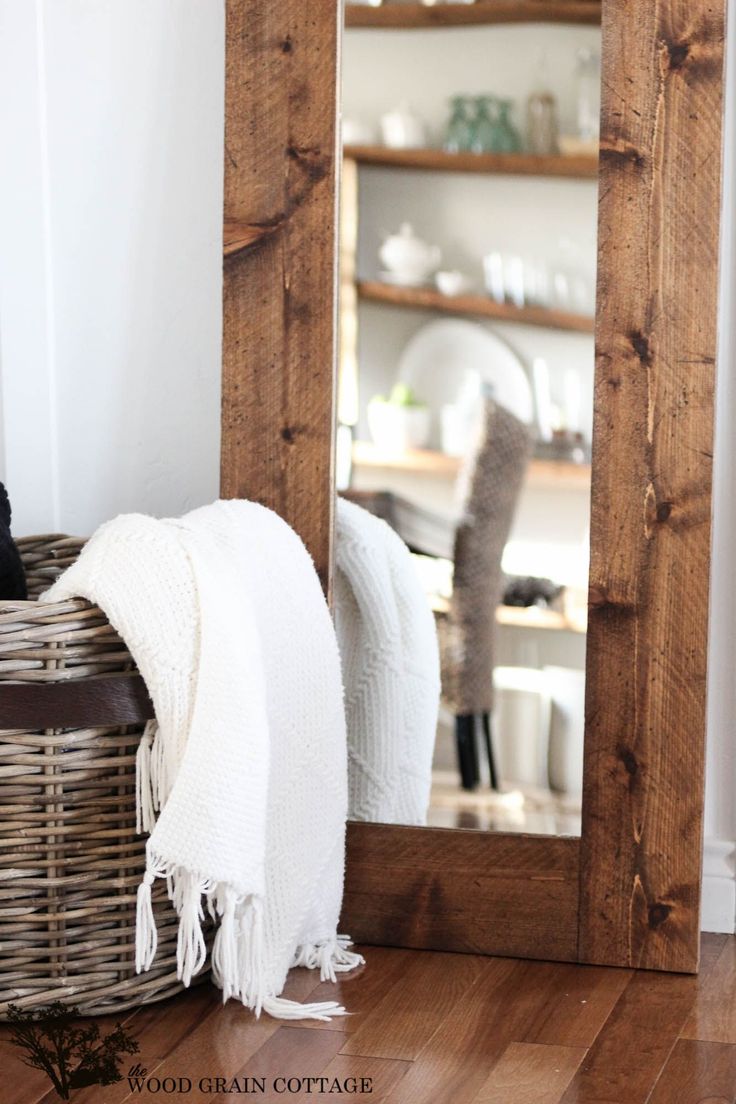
(431, 1028)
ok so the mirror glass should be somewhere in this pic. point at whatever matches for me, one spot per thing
(468, 265)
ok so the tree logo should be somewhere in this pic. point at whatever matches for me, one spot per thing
(71, 1053)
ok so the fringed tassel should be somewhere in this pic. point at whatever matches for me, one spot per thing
(251, 955)
(164, 767)
(331, 957)
(282, 1009)
(191, 951)
(145, 817)
(343, 959)
(146, 937)
(225, 949)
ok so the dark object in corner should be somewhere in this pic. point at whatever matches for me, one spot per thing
(12, 576)
(530, 592)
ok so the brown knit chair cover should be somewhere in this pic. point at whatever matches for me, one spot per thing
(493, 477)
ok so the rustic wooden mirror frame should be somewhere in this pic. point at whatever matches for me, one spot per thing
(627, 892)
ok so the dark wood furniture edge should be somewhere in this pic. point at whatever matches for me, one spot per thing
(455, 890)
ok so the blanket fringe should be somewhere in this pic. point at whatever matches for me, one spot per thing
(282, 1009)
(238, 953)
(146, 936)
(191, 951)
(154, 776)
(331, 957)
(225, 948)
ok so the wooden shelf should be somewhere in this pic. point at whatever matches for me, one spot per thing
(561, 474)
(581, 166)
(481, 306)
(399, 15)
(532, 617)
(525, 617)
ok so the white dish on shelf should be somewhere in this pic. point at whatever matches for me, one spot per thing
(450, 282)
(404, 279)
(454, 362)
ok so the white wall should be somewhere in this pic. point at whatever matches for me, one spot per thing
(110, 257)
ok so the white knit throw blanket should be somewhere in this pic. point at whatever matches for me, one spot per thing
(224, 615)
(388, 646)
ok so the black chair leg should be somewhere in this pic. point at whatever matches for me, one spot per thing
(467, 754)
(489, 751)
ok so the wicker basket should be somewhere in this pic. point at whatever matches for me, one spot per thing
(70, 859)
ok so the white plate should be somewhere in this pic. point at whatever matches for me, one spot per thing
(449, 360)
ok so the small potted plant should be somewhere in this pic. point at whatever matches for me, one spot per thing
(400, 422)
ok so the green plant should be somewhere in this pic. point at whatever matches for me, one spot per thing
(401, 395)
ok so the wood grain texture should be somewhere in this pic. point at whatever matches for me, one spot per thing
(697, 1073)
(530, 1073)
(586, 998)
(628, 1054)
(238, 237)
(494, 1040)
(481, 306)
(383, 1073)
(581, 166)
(652, 458)
(500, 1008)
(483, 11)
(399, 1025)
(279, 293)
(462, 891)
(713, 1016)
(362, 989)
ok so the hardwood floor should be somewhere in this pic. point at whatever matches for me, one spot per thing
(431, 1028)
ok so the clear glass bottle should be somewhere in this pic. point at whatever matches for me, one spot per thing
(542, 127)
(542, 122)
(588, 82)
(459, 137)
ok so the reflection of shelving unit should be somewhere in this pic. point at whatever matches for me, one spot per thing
(481, 306)
(573, 168)
(560, 474)
(516, 617)
(419, 16)
(581, 166)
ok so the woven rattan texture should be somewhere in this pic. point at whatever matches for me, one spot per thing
(70, 859)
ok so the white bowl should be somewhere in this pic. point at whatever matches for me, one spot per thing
(453, 283)
(398, 428)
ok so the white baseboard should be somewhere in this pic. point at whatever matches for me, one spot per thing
(718, 910)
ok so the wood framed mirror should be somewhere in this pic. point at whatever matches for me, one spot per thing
(626, 893)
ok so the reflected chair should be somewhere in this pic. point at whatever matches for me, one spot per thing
(490, 482)
(488, 490)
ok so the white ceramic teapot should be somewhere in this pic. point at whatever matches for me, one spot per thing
(402, 129)
(407, 259)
